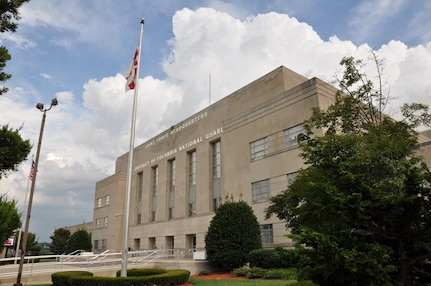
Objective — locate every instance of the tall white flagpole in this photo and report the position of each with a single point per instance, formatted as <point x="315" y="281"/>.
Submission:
<point x="125" y="250"/>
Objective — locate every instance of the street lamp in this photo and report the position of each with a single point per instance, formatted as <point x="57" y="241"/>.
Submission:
<point x="42" y="108"/>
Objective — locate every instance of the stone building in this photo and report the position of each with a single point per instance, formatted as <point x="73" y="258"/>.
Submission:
<point x="243" y="145"/>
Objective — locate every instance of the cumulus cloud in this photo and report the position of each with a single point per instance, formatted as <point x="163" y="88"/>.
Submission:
<point x="83" y="140"/>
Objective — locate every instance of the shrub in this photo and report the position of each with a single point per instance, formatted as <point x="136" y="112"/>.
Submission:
<point x="168" y="277"/>
<point x="287" y="274"/>
<point x="304" y="283"/>
<point x="204" y="272"/>
<point x="273" y="258"/>
<point x="256" y="272"/>
<point x="233" y="232"/>
<point x="62" y="278"/>
<point x="142" y="272"/>
<point x="242" y="272"/>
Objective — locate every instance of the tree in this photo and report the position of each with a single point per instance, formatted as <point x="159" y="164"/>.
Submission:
<point x="32" y="246"/>
<point x="80" y="239"/>
<point x="233" y="232"/>
<point x="13" y="149"/>
<point x="59" y="241"/>
<point x="360" y="210"/>
<point x="10" y="219"/>
<point x="8" y="12"/>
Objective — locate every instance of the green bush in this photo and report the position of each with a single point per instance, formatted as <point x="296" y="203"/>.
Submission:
<point x="256" y="272"/>
<point x="273" y="258"/>
<point x="233" y="232"/>
<point x="286" y="274"/>
<point x="304" y="283"/>
<point x="167" y="277"/>
<point x="204" y="272"/>
<point x="62" y="278"/>
<point x="142" y="272"/>
<point x="242" y="272"/>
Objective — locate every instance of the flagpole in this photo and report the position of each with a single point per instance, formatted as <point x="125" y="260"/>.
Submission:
<point x="125" y="249"/>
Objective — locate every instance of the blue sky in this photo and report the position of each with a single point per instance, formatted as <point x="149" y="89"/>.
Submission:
<point x="77" y="51"/>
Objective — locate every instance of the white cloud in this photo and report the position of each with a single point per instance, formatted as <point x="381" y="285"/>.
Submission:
<point x="45" y="76"/>
<point x="82" y="140"/>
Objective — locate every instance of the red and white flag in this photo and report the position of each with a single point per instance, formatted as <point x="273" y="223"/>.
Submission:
<point x="131" y="71"/>
<point x="31" y="176"/>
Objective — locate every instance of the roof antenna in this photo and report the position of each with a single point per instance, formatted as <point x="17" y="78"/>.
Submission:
<point x="209" y="89"/>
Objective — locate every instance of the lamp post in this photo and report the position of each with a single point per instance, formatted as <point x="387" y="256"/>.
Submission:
<point x="41" y="107"/>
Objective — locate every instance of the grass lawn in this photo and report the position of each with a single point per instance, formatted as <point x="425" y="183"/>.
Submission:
<point x="230" y="282"/>
<point x="239" y="282"/>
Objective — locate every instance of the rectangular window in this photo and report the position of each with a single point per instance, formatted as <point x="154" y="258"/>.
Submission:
<point x="107" y="198"/>
<point x="99" y="202"/>
<point x="155" y="179"/>
<point x="216" y="174"/>
<point x="105" y="222"/>
<point x="172" y="175"/>
<point x="291" y="177"/>
<point x="291" y="134"/>
<point x="258" y="148"/>
<point x="261" y="190"/>
<point x="192" y="183"/>
<point x="139" y="199"/>
<point x="96" y="244"/>
<point x="98" y="223"/>
<point x="104" y="244"/>
<point x="155" y="187"/>
<point x="266" y="234"/>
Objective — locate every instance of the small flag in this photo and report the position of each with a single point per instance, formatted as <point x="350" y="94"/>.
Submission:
<point x="130" y="74"/>
<point x="31" y="172"/>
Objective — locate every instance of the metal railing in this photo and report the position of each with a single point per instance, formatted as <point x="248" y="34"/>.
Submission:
<point x="80" y="260"/>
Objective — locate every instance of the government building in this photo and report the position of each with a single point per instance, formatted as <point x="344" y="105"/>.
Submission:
<point x="242" y="146"/>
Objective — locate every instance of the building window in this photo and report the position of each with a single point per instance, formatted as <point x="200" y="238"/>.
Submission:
<point x="99" y="202"/>
<point x="96" y="244"/>
<point x="216" y="174"/>
<point x="192" y="183"/>
<point x="291" y="177"/>
<point x="139" y="199"/>
<point x="107" y="200"/>
<point x="155" y="186"/>
<point x="261" y="190"/>
<point x="104" y="244"/>
<point x="291" y="134"/>
<point x="172" y="180"/>
<point x="258" y="148"/>
<point x="172" y="175"/>
<point x="105" y="222"/>
<point x="98" y="223"/>
<point x="266" y="234"/>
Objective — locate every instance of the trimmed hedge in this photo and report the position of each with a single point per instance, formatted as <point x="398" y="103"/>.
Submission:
<point x="62" y="278"/>
<point x="138" y="277"/>
<point x="142" y="272"/>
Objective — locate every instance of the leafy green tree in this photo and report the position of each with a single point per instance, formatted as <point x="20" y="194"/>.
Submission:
<point x="59" y="241"/>
<point x="233" y="232"/>
<point x="8" y="13"/>
<point x="10" y="218"/>
<point x="13" y="149"/>
<point x="360" y="211"/>
<point x="80" y="239"/>
<point x="32" y="246"/>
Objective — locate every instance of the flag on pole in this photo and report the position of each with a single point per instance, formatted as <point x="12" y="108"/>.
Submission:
<point x="131" y="71"/>
<point x="31" y="172"/>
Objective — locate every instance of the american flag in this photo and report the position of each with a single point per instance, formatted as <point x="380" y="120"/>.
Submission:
<point x="31" y="171"/>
